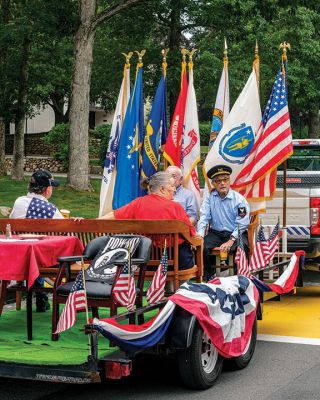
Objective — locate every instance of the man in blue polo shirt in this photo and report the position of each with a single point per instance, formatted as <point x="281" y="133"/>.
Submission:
<point x="223" y="210"/>
<point x="183" y="196"/>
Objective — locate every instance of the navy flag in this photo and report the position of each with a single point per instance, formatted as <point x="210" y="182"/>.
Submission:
<point x="129" y="153"/>
<point x="155" y="131"/>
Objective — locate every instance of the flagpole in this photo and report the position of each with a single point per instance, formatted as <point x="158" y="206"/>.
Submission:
<point x="126" y="67"/>
<point x="284" y="46"/>
<point x="129" y="271"/>
<point x="225" y="66"/>
<point x="256" y="64"/>
<point x="86" y="302"/>
<point x="164" y="71"/>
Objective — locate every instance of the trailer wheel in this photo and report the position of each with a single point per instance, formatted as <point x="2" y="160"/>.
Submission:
<point x="242" y="361"/>
<point x="200" y="364"/>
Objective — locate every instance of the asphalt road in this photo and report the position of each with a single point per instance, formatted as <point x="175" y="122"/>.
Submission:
<point x="277" y="371"/>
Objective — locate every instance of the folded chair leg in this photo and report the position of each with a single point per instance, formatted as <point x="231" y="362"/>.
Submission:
<point x="3" y="291"/>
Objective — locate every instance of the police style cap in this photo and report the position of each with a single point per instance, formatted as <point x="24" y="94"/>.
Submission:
<point x="219" y="170"/>
<point x="43" y="178"/>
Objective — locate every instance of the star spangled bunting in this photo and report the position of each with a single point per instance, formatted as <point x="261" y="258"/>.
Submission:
<point x="40" y="209"/>
<point x="273" y="243"/>
<point x="156" y="290"/>
<point x="261" y="252"/>
<point x="124" y="289"/>
<point x="76" y="301"/>
<point x="241" y="259"/>
<point x="273" y="145"/>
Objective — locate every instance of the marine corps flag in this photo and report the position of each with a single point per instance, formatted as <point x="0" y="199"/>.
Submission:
<point x="191" y="140"/>
<point x="156" y="129"/>
<point x="109" y="170"/>
<point x="237" y="135"/>
<point x="129" y="154"/>
<point x="173" y="147"/>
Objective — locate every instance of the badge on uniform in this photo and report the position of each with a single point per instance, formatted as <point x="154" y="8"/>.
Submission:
<point x="242" y="212"/>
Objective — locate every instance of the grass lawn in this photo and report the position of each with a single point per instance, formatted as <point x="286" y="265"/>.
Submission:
<point x="81" y="204"/>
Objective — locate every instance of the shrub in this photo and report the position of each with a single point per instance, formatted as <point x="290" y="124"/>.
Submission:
<point x="102" y="132"/>
<point x="59" y="137"/>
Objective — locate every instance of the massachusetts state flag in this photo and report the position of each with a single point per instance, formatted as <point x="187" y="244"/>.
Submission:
<point x="155" y="292"/>
<point x="109" y="170"/>
<point x="76" y="301"/>
<point x="173" y="146"/>
<point x="127" y="186"/>
<point x="225" y="309"/>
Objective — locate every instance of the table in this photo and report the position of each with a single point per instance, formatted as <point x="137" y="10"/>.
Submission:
<point x="22" y="258"/>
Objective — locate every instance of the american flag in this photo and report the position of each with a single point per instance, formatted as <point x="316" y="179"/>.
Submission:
<point x="261" y="253"/>
<point x="156" y="290"/>
<point x="273" y="145"/>
<point x="273" y="242"/>
<point x="241" y="259"/>
<point x="76" y="301"/>
<point x="124" y="289"/>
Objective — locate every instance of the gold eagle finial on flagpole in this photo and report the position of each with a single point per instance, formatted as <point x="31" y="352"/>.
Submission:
<point x="140" y="55"/>
<point x="284" y="46"/>
<point x="128" y="56"/>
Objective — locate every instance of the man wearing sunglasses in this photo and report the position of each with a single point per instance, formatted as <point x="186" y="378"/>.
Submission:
<point x="224" y="210"/>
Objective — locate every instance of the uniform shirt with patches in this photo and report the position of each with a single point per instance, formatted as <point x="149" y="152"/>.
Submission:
<point x="224" y="214"/>
<point x="34" y="206"/>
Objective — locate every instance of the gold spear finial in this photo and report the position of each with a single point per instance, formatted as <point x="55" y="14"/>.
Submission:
<point x="256" y="49"/>
<point x="164" y="60"/>
<point x="140" y="55"/>
<point x="128" y="56"/>
<point x="191" y="53"/>
<point x="225" y="49"/>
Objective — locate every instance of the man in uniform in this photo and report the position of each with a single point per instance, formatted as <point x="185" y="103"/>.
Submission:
<point x="224" y="210"/>
<point x="183" y="196"/>
<point x="36" y="205"/>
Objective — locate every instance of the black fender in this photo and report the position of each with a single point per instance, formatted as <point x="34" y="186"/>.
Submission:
<point x="181" y="329"/>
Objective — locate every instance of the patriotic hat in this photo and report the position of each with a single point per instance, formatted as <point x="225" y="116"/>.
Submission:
<point x="43" y="178"/>
<point x="219" y="170"/>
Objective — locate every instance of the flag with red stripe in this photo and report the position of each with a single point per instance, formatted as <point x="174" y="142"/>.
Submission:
<point x="273" y="145"/>
<point x="156" y="290"/>
<point x="124" y="289"/>
<point x="76" y="301"/>
<point x="241" y="259"/>
<point x="261" y="253"/>
<point x="273" y="243"/>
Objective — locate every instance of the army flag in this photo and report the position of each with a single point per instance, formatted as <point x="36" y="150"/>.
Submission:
<point x="237" y="135"/>
<point x="191" y="141"/>
<point x="129" y="154"/>
<point x="155" y="130"/>
<point x="173" y="147"/>
<point x="109" y="170"/>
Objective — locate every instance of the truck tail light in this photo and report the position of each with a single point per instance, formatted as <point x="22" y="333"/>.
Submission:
<point x="315" y="216"/>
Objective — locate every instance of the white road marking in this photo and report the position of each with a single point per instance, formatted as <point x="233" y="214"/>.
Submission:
<point x="289" y="339"/>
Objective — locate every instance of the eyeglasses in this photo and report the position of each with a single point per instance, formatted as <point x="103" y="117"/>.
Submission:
<point x="222" y="180"/>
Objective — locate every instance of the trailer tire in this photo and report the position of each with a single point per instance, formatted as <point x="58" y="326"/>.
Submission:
<point x="200" y="364"/>
<point x="237" y="363"/>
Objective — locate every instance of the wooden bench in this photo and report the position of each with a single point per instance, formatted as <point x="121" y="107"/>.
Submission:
<point x="88" y="229"/>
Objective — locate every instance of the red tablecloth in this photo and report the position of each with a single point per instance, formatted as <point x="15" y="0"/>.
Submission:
<point x="21" y="260"/>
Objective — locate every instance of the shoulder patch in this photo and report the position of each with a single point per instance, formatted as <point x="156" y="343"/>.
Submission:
<point x="242" y="212"/>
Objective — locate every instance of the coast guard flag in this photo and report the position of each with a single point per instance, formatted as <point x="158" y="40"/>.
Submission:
<point x="127" y="186"/>
<point x="76" y="301"/>
<point x="236" y="138"/>
<point x="273" y="145"/>
<point x="286" y="281"/>
<point x="155" y="131"/>
<point x="109" y="170"/>
<point x="191" y="141"/>
<point x="173" y="148"/>
<point x="225" y="309"/>
<point x="155" y="292"/>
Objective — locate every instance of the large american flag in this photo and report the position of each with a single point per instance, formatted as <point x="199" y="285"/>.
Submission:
<point x="273" y="145"/>
<point x="155" y="292"/>
<point x="261" y="252"/>
<point x="273" y="243"/>
<point x="241" y="259"/>
<point x="76" y="301"/>
<point x="124" y="289"/>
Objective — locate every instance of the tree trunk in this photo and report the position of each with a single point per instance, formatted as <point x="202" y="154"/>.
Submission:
<point x="3" y="169"/>
<point x="18" y="143"/>
<point x="78" y="174"/>
<point x="313" y="124"/>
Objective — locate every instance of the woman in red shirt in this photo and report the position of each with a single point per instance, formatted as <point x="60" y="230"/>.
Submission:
<point x="158" y="204"/>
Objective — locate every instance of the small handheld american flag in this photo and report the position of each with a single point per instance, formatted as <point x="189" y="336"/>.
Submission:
<point x="156" y="290"/>
<point x="124" y="289"/>
<point x="241" y="259"/>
